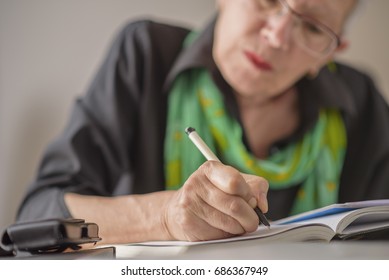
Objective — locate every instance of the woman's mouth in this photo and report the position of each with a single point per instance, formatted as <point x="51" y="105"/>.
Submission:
<point x="258" y="62"/>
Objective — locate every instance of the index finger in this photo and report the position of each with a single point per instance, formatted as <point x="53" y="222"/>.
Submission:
<point x="229" y="180"/>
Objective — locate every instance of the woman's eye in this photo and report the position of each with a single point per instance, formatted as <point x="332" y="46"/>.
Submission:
<point x="312" y="28"/>
<point x="267" y="3"/>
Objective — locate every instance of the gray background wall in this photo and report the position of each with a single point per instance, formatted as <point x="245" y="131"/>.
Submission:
<point x="49" y="51"/>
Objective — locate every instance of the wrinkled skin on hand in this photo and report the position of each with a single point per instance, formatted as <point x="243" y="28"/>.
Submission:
<point x="215" y="202"/>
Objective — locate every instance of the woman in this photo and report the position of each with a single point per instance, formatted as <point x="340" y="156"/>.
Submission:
<point x="294" y="134"/>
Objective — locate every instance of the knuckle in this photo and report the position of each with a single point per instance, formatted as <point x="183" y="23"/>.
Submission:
<point x="261" y="183"/>
<point x="191" y="185"/>
<point x="264" y="183"/>
<point x="234" y="207"/>
<point x="207" y="166"/>
<point x="233" y="172"/>
<point x="234" y="180"/>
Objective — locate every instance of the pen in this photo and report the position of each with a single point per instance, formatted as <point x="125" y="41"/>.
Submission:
<point x="209" y="155"/>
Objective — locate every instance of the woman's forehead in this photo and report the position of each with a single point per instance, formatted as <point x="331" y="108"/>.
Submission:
<point x="328" y="10"/>
<point x="327" y="5"/>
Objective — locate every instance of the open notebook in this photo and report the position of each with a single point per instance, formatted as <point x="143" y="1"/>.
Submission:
<point x="339" y="221"/>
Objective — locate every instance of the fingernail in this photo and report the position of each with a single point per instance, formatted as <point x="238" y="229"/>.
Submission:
<point x="253" y="202"/>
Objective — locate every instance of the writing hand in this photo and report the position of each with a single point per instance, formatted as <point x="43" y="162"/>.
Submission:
<point x="215" y="202"/>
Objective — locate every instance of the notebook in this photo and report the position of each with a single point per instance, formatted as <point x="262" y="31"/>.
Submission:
<point x="354" y="220"/>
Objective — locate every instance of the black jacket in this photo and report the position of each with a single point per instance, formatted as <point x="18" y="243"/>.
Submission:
<point x="113" y="142"/>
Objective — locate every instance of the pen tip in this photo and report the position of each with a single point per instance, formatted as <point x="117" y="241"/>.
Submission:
<point x="189" y="130"/>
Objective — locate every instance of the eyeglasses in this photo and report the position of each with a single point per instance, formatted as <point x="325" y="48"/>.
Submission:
<point x="313" y="36"/>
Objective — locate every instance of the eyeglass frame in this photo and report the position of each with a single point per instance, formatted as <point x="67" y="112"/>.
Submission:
<point x="332" y="33"/>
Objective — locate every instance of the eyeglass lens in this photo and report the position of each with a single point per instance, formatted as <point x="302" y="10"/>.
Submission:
<point x="309" y="33"/>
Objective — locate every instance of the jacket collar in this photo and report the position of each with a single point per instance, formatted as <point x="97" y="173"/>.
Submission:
<point x="197" y="55"/>
<point x="328" y="90"/>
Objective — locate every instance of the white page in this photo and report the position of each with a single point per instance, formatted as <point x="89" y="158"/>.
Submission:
<point x="261" y="231"/>
<point x="290" y="232"/>
<point x="327" y="210"/>
<point x="338" y="222"/>
<point x="330" y="220"/>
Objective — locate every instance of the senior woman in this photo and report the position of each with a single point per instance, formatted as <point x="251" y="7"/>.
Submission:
<point x="294" y="130"/>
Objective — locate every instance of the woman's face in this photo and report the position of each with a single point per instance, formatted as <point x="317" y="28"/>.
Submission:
<point x="261" y="56"/>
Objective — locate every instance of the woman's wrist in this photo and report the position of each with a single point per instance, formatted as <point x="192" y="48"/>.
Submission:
<point x="124" y="219"/>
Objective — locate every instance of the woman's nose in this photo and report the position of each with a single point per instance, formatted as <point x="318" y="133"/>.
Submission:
<point x="278" y="30"/>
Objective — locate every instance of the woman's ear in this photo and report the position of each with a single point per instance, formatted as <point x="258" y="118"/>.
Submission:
<point x="344" y="44"/>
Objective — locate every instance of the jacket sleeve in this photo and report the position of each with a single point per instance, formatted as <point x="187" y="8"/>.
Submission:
<point x="93" y="154"/>
<point x="366" y="168"/>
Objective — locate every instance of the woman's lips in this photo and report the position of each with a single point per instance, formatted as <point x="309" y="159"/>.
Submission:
<point x="258" y="62"/>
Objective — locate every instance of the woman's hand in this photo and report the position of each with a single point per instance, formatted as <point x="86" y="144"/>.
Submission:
<point x="215" y="202"/>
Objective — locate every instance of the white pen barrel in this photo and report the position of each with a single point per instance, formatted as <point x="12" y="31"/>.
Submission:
<point x="200" y="144"/>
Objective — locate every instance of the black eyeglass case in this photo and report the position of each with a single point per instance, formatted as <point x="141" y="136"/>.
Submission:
<point x="47" y="236"/>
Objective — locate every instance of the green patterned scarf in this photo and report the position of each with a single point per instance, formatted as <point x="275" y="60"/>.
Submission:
<point x="315" y="161"/>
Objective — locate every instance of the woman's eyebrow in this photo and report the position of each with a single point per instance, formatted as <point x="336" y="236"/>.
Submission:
<point x="324" y="14"/>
